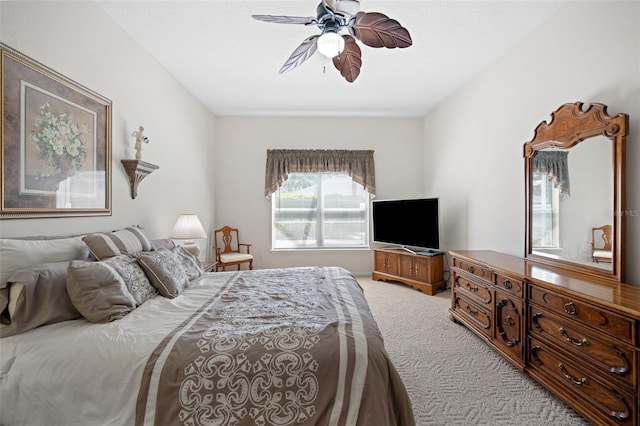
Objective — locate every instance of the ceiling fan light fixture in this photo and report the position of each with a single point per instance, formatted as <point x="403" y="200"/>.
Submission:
<point x="373" y="29"/>
<point x="330" y="44"/>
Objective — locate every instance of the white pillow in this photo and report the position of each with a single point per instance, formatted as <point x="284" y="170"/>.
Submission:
<point x="19" y="254"/>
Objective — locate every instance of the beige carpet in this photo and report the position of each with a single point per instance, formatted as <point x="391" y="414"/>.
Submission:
<point x="453" y="377"/>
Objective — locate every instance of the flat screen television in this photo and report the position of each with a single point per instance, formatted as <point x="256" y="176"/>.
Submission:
<point x="411" y="224"/>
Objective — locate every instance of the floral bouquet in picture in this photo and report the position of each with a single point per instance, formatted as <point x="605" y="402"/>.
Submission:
<point x="60" y="142"/>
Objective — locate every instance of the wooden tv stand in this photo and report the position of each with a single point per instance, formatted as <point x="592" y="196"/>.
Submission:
<point x="425" y="273"/>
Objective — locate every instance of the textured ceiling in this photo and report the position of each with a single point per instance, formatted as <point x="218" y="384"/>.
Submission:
<point x="230" y="61"/>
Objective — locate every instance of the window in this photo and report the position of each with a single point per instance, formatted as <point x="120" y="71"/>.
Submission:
<point x="320" y="198"/>
<point x="546" y="209"/>
<point x="320" y="210"/>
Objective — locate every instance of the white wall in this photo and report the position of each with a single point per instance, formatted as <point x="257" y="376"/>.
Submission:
<point x="588" y="52"/>
<point x="242" y="143"/>
<point x="80" y="41"/>
<point x="469" y="152"/>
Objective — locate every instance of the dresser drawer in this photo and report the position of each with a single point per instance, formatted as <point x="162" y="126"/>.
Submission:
<point x="473" y="315"/>
<point x="474" y="289"/>
<point x="587" y="314"/>
<point x="510" y="285"/>
<point x="610" y="403"/>
<point x="605" y="355"/>
<point x="474" y="269"/>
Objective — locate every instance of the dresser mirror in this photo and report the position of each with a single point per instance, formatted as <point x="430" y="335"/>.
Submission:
<point x="574" y="172"/>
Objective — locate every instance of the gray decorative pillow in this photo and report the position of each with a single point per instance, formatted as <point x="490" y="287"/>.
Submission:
<point x="131" y="240"/>
<point x="134" y="278"/>
<point x="165" y="271"/>
<point x="35" y="296"/>
<point x="190" y="263"/>
<point x="166" y="243"/>
<point x="98" y="292"/>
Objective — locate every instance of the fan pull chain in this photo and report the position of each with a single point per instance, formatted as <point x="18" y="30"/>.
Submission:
<point x="324" y="67"/>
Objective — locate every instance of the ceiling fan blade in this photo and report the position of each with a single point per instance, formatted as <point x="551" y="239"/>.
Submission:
<point x="345" y="7"/>
<point x="303" y="52"/>
<point x="378" y="30"/>
<point x="304" y="20"/>
<point x="350" y="60"/>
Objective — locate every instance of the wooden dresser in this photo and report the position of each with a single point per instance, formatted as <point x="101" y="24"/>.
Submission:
<point x="576" y="335"/>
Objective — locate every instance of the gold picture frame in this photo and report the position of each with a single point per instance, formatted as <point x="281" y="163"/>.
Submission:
<point x="55" y="138"/>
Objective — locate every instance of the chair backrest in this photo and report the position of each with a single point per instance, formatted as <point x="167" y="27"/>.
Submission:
<point x="605" y="231"/>
<point x="228" y="238"/>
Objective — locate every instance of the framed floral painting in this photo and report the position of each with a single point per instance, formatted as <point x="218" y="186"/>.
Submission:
<point x="56" y="143"/>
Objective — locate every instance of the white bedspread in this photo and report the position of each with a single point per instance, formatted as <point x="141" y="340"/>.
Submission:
<point x="116" y="378"/>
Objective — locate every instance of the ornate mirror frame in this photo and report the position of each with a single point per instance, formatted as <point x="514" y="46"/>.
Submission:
<point x="571" y="124"/>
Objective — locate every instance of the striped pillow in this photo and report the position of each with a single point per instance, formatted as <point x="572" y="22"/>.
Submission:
<point x="131" y="240"/>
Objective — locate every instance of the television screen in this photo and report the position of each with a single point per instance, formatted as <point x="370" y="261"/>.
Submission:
<point x="412" y="222"/>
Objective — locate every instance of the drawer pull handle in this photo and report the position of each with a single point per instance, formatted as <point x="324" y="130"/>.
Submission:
<point x="623" y="369"/>
<point x="582" y="381"/>
<point x="507" y="284"/>
<point x="620" y="415"/>
<point x="534" y="320"/>
<point x="570" y="308"/>
<point x="534" y="354"/>
<point x="474" y="289"/>
<point x="471" y="269"/>
<point x="471" y="311"/>
<point x="563" y="332"/>
<point x="508" y="321"/>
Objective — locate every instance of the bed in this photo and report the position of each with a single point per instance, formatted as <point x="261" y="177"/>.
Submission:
<point x="291" y="346"/>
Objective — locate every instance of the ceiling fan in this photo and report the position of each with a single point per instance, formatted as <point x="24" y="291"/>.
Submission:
<point x="373" y="29"/>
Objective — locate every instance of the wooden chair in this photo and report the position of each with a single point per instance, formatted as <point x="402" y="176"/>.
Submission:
<point x="227" y="248"/>
<point x="604" y="253"/>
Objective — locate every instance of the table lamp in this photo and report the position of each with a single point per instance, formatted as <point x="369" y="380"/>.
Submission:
<point x="188" y="228"/>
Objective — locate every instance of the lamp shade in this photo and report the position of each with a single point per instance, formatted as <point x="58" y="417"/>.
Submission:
<point x="330" y="44"/>
<point x="188" y="227"/>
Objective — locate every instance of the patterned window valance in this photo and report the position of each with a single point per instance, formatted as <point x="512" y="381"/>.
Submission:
<point x="358" y="164"/>
<point x="556" y="165"/>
